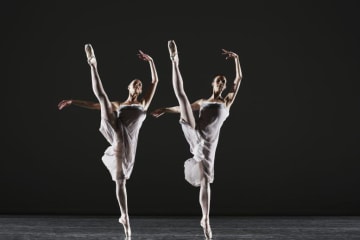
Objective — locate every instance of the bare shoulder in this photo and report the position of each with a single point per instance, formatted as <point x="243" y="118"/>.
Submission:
<point x="116" y="104"/>
<point x="144" y="103"/>
<point x="199" y="101"/>
<point x="228" y="102"/>
<point x="196" y="105"/>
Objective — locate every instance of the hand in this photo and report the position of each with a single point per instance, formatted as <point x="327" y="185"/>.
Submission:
<point x="158" y="112"/>
<point x="229" y="54"/>
<point x="144" y="56"/>
<point x="64" y="103"/>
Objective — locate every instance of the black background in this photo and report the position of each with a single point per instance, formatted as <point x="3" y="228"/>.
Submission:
<point x="289" y="147"/>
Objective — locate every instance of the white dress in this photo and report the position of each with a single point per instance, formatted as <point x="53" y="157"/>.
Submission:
<point x="203" y="141"/>
<point x="119" y="158"/>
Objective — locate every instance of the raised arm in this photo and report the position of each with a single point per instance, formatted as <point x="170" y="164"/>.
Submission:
<point x="84" y="104"/>
<point x="148" y="96"/>
<point x="230" y="97"/>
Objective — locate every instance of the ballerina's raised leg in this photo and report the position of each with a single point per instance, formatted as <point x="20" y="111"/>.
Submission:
<point x="187" y="115"/>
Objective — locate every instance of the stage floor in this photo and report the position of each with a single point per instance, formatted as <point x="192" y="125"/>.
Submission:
<point x="56" y="227"/>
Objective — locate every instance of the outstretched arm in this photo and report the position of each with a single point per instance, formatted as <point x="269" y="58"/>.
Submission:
<point x="154" y="80"/>
<point x="80" y="103"/>
<point x="230" y="97"/>
<point x="84" y="104"/>
<point x="175" y="109"/>
<point x="160" y="111"/>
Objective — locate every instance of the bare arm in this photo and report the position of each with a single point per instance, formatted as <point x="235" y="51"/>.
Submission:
<point x="160" y="111"/>
<point x="175" y="109"/>
<point x="80" y="103"/>
<point x="84" y="104"/>
<point x="148" y="96"/>
<point x="230" y="97"/>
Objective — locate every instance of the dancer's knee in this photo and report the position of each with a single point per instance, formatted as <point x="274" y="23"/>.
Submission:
<point x="120" y="183"/>
<point x="181" y="96"/>
<point x="204" y="182"/>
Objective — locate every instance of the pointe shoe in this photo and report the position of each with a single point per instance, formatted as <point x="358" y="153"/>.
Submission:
<point x="126" y="226"/>
<point x="89" y="53"/>
<point x="173" y="50"/>
<point x="207" y="229"/>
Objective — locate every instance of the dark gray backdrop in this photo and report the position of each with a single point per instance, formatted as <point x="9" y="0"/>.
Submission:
<point x="289" y="147"/>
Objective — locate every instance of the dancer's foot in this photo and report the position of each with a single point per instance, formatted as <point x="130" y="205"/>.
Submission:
<point x="206" y="227"/>
<point x="126" y="224"/>
<point x="90" y="55"/>
<point x="173" y="51"/>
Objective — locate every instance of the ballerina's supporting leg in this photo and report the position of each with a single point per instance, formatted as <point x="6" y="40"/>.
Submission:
<point x="204" y="198"/>
<point x="122" y="200"/>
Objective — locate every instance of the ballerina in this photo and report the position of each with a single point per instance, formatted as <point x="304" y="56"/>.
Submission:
<point x="120" y="125"/>
<point x="202" y="133"/>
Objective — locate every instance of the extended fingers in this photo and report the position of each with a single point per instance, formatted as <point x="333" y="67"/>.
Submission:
<point x="61" y="106"/>
<point x="140" y="54"/>
<point x="226" y="52"/>
<point x="61" y="103"/>
<point x="157" y="113"/>
<point x="229" y="54"/>
<point x="143" y="55"/>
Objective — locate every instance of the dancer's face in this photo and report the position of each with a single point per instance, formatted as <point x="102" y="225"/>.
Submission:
<point x="135" y="87"/>
<point x="219" y="83"/>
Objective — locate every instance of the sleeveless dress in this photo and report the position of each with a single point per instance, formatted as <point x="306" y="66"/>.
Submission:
<point x="203" y="141"/>
<point x="119" y="158"/>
